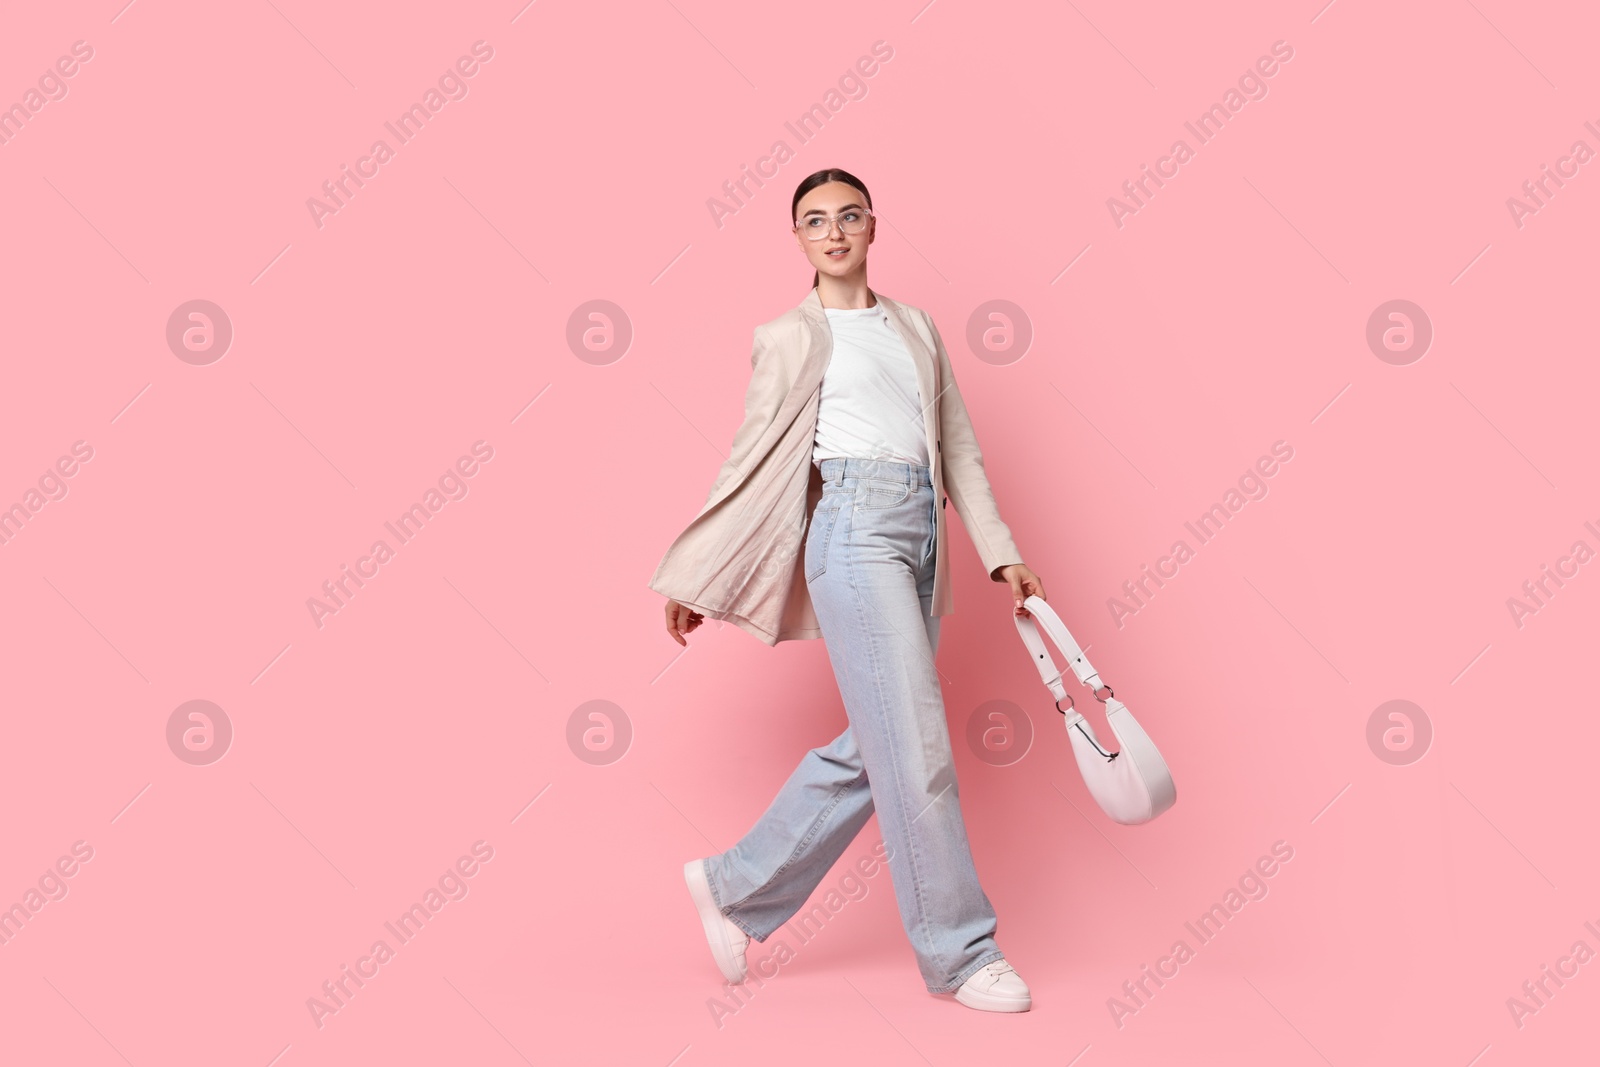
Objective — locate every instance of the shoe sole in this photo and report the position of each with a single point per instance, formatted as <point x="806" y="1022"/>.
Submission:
<point x="711" y="920"/>
<point x="984" y="1002"/>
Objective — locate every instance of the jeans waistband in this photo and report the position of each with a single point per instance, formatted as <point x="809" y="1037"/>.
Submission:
<point x="836" y="469"/>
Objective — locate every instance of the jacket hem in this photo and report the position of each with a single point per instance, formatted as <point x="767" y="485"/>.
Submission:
<point x="743" y="622"/>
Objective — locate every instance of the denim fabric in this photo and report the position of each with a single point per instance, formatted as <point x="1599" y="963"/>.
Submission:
<point x="869" y="564"/>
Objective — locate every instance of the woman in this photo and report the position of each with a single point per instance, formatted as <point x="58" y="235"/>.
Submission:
<point x="850" y="403"/>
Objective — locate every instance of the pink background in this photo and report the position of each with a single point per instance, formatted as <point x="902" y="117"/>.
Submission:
<point x="433" y="710"/>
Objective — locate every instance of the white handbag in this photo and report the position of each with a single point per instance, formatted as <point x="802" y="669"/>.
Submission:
<point x="1133" y="784"/>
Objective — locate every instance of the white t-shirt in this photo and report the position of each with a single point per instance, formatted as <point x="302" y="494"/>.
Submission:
<point x="871" y="406"/>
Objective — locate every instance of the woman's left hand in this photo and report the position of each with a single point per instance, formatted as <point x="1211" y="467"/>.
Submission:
<point x="1024" y="583"/>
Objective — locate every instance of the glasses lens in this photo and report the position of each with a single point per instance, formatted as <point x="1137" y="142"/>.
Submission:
<point x="816" y="227"/>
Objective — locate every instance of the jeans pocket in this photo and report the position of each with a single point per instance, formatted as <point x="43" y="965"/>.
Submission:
<point x="818" y="537"/>
<point x="873" y="494"/>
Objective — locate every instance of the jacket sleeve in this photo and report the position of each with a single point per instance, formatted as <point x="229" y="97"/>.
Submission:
<point x="964" y="478"/>
<point x="762" y="398"/>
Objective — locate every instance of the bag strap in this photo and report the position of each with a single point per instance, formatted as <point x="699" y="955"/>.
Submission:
<point x="1063" y="640"/>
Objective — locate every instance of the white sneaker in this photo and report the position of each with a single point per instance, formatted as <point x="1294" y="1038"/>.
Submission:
<point x="727" y="941"/>
<point x="995" y="987"/>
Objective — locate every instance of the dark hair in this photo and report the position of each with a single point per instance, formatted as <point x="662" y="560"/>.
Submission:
<point x="823" y="177"/>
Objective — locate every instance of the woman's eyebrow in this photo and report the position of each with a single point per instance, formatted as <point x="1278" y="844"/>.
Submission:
<point x="819" y="211"/>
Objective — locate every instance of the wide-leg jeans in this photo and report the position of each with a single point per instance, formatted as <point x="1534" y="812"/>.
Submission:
<point x="869" y="564"/>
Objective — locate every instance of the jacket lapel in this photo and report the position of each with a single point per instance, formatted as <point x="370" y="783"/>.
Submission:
<point x="927" y="370"/>
<point x="816" y="343"/>
<point x="817" y="351"/>
<point x="820" y="349"/>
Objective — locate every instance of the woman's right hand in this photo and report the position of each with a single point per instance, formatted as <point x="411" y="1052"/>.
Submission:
<point x="681" y="620"/>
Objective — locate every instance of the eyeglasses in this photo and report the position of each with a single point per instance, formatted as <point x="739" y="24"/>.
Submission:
<point x="851" y="221"/>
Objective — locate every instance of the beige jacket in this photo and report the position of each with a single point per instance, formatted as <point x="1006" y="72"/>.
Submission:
<point x="742" y="559"/>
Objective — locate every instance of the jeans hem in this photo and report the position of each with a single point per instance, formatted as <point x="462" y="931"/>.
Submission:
<point x="716" y="898"/>
<point x="799" y="852"/>
<point x="968" y="971"/>
<point x="735" y="920"/>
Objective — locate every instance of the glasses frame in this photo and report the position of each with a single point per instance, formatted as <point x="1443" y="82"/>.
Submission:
<point x="833" y="220"/>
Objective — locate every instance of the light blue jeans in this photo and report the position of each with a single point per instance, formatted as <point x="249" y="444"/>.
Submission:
<point x="869" y="557"/>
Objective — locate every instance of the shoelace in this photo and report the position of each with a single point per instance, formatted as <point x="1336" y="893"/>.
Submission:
<point x="986" y="976"/>
<point x="998" y="968"/>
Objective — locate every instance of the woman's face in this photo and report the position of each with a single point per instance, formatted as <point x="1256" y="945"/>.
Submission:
<point x="827" y="201"/>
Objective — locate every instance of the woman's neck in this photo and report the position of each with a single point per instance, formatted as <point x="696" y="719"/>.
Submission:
<point x="846" y="294"/>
